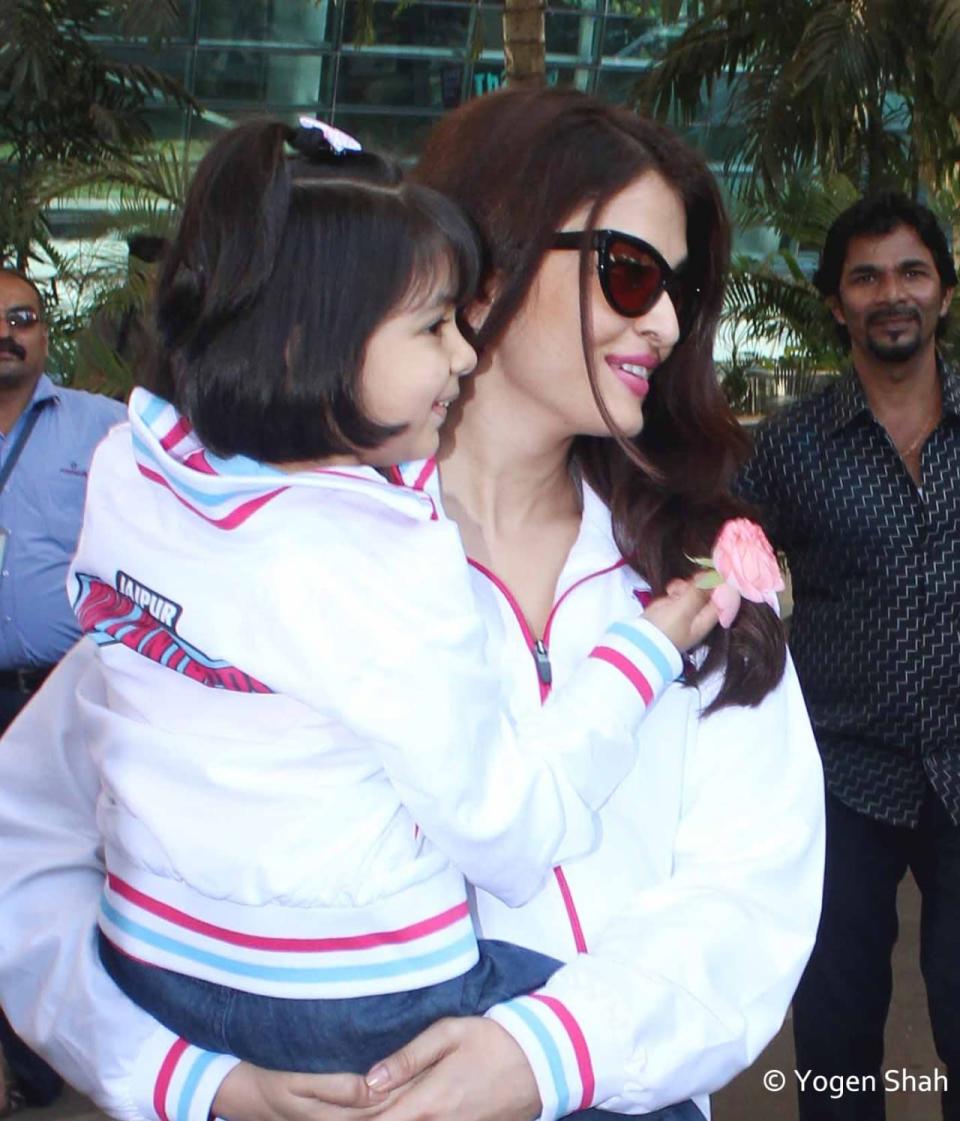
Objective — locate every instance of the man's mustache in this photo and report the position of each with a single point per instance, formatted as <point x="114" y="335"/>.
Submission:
<point x="894" y="311"/>
<point x="9" y="346"/>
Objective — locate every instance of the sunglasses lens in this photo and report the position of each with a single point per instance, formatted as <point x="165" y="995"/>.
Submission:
<point x="22" y="318"/>
<point x="634" y="278"/>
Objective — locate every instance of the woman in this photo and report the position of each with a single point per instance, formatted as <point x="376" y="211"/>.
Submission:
<point x="593" y="445"/>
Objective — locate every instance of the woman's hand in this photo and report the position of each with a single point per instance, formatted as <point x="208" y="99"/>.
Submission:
<point x="457" y="1070"/>
<point x="250" y="1093"/>
<point x="467" y="1069"/>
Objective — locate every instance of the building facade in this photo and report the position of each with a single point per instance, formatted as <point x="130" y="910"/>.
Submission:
<point x="388" y="81"/>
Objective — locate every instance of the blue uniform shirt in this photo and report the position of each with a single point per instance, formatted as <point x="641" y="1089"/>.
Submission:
<point x="41" y="508"/>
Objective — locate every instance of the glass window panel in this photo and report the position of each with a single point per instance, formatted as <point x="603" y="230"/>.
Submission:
<point x="285" y="22"/>
<point x="618" y="86"/>
<point x="640" y="37"/>
<point x="367" y="79"/>
<point x="567" y="32"/>
<point x="419" y="24"/>
<point x="491" y="28"/>
<point x="398" y="135"/>
<point x="570" y="33"/>
<point x="171" y="61"/>
<point x="258" y="77"/>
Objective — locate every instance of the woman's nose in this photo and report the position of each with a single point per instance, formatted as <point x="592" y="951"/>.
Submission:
<point x="660" y="322"/>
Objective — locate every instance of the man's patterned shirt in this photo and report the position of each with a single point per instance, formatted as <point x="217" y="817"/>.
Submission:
<point x="875" y="562"/>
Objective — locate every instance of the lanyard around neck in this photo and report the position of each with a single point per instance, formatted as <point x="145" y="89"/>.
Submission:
<point x="28" y="425"/>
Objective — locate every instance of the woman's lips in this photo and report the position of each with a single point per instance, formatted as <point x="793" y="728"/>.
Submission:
<point x="634" y="372"/>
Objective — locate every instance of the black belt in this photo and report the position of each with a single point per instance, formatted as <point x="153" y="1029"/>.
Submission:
<point x="24" y="680"/>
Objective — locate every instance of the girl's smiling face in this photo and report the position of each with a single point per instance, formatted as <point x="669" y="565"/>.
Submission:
<point x="411" y="370"/>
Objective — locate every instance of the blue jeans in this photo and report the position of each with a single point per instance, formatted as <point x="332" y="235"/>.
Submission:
<point x="332" y="1035"/>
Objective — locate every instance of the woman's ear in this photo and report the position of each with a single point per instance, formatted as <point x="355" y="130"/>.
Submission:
<point x="476" y="312"/>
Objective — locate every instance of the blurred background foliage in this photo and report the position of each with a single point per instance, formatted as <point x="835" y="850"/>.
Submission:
<point x="73" y="121"/>
<point x="831" y="99"/>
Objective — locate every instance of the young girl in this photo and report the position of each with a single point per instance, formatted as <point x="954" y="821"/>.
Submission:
<point x="302" y="749"/>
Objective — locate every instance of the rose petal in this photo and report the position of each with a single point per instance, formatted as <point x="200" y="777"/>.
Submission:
<point x="743" y="555"/>
<point x="726" y="599"/>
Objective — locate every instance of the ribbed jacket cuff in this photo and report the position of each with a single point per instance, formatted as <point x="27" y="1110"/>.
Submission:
<point x="555" y="1048"/>
<point x="175" y="1081"/>
<point x="642" y="654"/>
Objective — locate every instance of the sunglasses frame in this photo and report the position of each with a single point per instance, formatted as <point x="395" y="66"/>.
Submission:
<point x="671" y="280"/>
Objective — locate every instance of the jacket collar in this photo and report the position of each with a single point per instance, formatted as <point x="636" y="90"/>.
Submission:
<point x="168" y="451"/>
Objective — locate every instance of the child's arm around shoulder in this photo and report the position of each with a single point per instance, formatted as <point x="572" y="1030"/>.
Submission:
<point x="391" y="641"/>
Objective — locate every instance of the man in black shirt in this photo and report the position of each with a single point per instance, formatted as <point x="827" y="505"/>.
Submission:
<point x="860" y="487"/>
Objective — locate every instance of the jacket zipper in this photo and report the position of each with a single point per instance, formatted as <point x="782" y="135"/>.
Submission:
<point x="537" y="648"/>
<point x="541" y="657"/>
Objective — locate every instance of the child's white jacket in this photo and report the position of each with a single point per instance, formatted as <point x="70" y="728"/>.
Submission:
<point x="304" y="748"/>
<point x="686" y="929"/>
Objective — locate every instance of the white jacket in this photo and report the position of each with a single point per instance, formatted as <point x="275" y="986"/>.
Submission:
<point x="697" y="910"/>
<point x="302" y="730"/>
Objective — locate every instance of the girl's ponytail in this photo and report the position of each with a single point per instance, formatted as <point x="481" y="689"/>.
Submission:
<point x="232" y="223"/>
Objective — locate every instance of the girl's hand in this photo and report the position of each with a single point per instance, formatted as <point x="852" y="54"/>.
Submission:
<point x="466" y="1069"/>
<point x="685" y="614"/>
<point x="251" y="1093"/>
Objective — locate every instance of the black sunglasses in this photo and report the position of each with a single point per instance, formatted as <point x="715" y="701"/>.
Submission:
<point x="633" y="274"/>
<point x="20" y="318"/>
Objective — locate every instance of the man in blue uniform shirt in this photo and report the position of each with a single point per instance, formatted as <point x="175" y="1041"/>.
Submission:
<point x="47" y="436"/>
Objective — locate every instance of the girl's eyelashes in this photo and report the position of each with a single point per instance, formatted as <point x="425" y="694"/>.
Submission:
<point x="436" y="326"/>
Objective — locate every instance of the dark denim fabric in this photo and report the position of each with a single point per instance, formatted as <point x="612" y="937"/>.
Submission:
<point x="38" y="1083"/>
<point x="321" y="1035"/>
<point x="334" y="1035"/>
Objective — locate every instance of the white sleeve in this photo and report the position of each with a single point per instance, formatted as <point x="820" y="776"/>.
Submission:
<point x="504" y="801"/>
<point x="53" y="988"/>
<point x="689" y="983"/>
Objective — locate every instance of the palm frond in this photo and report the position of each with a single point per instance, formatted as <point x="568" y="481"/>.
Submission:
<point x="774" y="306"/>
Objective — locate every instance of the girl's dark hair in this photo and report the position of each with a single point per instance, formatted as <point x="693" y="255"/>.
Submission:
<point x="519" y="162"/>
<point x="281" y="270"/>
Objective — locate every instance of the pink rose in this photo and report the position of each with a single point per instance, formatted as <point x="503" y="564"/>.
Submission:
<point x="743" y="557"/>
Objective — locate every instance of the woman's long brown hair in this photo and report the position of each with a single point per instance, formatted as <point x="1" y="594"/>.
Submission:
<point x="520" y="162"/>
